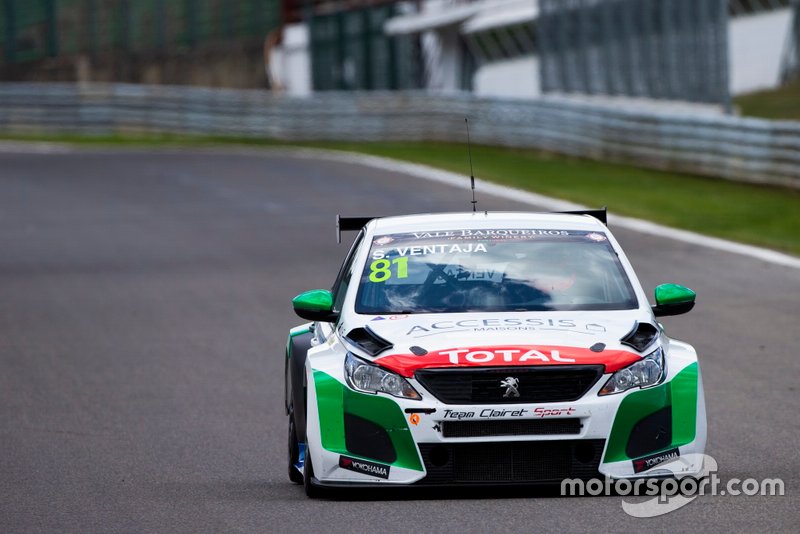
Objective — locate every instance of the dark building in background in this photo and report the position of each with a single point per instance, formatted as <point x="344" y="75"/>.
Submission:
<point x="791" y="61"/>
<point x="201" y="42"/>
<point x="349" y="48"/>
<point x="666" y="49"/>
<point x="662" y="49"/>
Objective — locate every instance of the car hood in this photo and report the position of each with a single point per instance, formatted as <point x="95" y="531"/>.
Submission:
<point x="504" y="339"/>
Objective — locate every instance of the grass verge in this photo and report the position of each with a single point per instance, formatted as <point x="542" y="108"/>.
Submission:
<point x="760" y="215"/>
<point x="782" y="103"/>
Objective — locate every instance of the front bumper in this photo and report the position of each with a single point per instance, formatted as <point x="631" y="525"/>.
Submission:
<point x="361" y="439"/>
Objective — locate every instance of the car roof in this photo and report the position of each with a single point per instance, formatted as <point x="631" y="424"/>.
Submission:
<point x="484" y="220"/>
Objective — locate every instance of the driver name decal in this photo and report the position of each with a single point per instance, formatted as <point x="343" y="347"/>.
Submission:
<point x="430" y="249"/>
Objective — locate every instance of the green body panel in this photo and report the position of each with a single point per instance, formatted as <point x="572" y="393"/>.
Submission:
<point x="334" y="399"/>
<point x="680" y="393"/>
<point x="684" y="406"/>
<point x="330" y="407"/>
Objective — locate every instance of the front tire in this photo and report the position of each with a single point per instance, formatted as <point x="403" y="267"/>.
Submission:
<point x="294" y="453"/>
<point x="313" y="491"/>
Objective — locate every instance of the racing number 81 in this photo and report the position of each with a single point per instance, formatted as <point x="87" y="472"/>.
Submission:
<point x="381" y="270"/>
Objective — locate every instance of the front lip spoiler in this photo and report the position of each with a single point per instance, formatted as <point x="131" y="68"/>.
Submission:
<point x="420" y="484"/>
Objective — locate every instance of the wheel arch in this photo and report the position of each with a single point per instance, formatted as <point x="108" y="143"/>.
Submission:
<point x="297" y="347"/>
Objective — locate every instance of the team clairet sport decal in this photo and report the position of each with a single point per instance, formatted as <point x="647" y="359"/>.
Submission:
<point x="541" y="413"/>
<point x="407" y="364"/>
<point x="643" y="464"/>
<point x="363" y="466"/>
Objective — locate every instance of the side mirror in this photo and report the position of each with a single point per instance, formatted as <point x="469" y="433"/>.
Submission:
<point x="672" y="299"/>
<point x="315" y="305"/>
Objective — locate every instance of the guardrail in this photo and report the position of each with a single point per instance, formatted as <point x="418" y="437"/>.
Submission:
<point x="736" y="148"/>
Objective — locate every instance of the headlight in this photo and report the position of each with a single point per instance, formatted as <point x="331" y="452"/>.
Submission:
<point x="646" y="372"/>
<point x="363" y="376"/>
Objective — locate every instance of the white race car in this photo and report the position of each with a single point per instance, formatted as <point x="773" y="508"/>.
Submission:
<point x="489" y="348"/>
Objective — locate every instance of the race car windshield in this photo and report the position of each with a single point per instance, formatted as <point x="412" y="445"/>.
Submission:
<point x="492" y="270"/>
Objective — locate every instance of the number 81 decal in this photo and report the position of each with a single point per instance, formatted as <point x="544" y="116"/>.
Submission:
<point x="381" y="270"/>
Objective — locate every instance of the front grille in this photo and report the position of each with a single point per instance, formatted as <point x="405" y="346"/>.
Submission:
<point x="511" y="462"/>
<point x="498" y="427"/>
<point x="556" y="383"/>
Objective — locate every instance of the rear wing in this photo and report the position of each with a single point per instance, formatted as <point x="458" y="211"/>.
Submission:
<point x="601" y="214"/>
<point x="350" y="224"/>
<point x="354" y="224"/>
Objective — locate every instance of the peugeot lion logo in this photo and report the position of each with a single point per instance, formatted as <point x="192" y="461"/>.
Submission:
<point x="511" y="384"/>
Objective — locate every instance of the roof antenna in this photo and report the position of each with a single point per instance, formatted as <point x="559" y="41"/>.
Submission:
<point x="471" y="173"/>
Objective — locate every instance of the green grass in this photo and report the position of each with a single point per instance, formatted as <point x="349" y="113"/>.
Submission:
<point x="779" y="104"/>
<point x="760" y="215"/>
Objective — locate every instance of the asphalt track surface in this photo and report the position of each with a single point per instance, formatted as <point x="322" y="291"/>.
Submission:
<point x="144" y="304"/>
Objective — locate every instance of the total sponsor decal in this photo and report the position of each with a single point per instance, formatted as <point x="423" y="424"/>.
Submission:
<point x="518" y="355"/>
<point x="363" y="466"/>
<point x="521" y="412"/>
<point x="505" y="324"/>
<point x="647" y="462"/>
<point x="511" y="355"/>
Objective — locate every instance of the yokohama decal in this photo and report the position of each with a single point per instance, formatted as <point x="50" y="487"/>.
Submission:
<point x="407" y="364"/>
<point x="363" y="466"/>
<point x="643" y="464"/>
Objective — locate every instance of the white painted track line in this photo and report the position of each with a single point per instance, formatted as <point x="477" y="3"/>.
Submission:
<point x="456" y="180"/>
<point x="638" y="225"/>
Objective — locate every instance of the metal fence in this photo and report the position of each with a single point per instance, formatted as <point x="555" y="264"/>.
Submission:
<point x="745" y="149"/>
